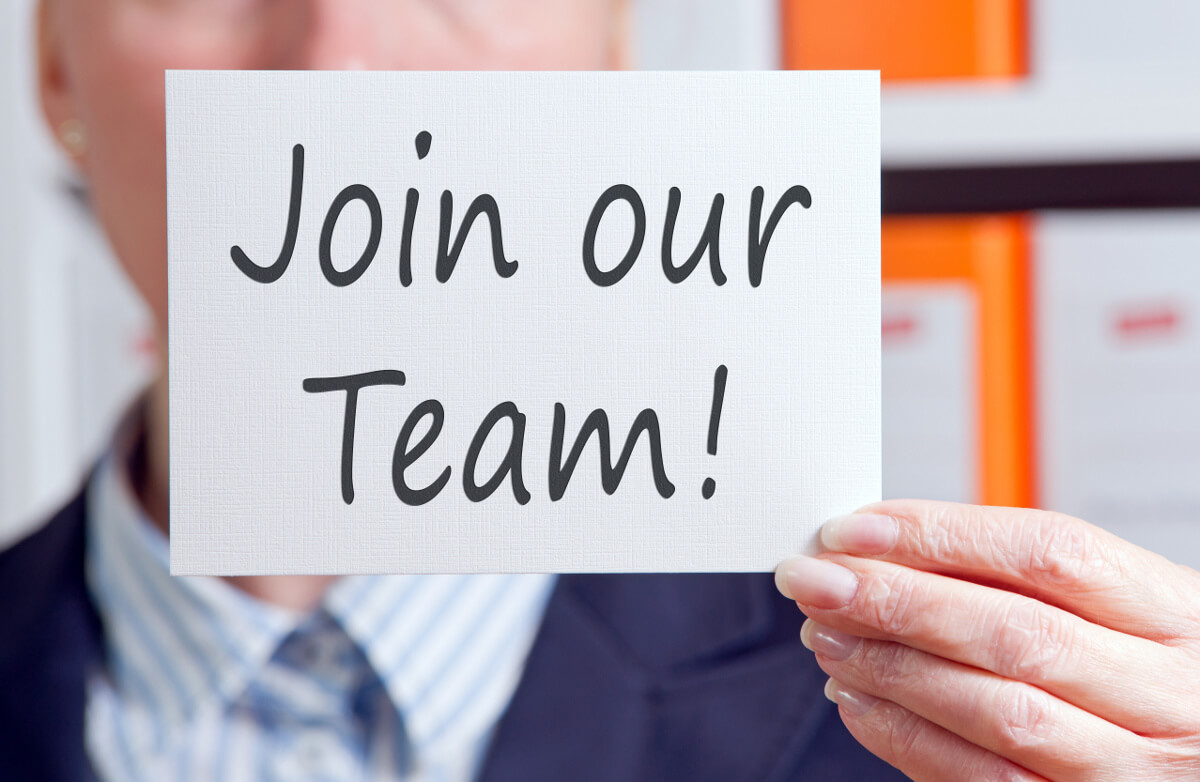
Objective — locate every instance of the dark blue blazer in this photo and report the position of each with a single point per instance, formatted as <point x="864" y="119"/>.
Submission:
<point x="632" y="677"/>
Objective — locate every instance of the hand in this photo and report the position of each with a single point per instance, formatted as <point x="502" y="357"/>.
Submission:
<point x="980" y="643"/>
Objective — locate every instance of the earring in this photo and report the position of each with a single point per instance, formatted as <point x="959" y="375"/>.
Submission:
<point x="73" y="134"/>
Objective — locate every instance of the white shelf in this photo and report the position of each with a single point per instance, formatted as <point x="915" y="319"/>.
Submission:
<point x="973" y="125"/>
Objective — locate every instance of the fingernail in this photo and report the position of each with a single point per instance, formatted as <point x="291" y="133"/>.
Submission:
<point x="834" y="644"/>
<point x="861" y="533"/>
<point x="854" y="702"/>
<point x="816" y="582"/>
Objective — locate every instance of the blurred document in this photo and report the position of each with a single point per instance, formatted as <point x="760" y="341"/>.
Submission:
<point x="930" y="391"/>
<point x="1119" y="369"/>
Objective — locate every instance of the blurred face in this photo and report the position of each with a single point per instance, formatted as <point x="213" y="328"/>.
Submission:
<point x="102" y="64"/>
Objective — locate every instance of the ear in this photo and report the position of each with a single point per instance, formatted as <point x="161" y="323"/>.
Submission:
<point x="621" y="36"/>
<point x="54" y="85"/>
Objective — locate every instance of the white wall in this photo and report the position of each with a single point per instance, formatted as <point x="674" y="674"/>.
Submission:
<point x="70" y="324"/>
<point x="12" y="343"/>
<point x="706" y="34"/>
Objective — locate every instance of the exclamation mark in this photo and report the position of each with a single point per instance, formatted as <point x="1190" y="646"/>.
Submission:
<point x="714" y="424"/>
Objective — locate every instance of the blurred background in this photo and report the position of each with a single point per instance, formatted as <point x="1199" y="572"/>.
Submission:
<point x="1041" y="252"/>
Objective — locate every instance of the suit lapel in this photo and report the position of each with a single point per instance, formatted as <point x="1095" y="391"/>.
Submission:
<point x="50" y="637"/>
<point x="664" y="677"/>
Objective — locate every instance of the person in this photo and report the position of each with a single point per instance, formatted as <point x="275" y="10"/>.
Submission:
<point x="959" y="642"/>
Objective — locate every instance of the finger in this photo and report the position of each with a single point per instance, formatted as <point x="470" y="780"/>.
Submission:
<point x="923" y="751"/>
<point x="1115" y="676"/>
<point x="1058" y="559"/>
<point x="1011" y="719"/>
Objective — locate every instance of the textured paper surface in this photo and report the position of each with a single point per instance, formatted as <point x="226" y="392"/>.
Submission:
<point x="255" y="459"/>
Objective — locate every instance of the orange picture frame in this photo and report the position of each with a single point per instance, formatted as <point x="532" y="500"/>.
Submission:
<point x="909" y="40"/>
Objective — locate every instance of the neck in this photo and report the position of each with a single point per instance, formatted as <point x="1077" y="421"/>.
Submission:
<point x="149" y="471"/>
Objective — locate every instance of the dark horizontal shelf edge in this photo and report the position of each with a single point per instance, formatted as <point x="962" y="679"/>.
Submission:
<point x="1029" y="187"/>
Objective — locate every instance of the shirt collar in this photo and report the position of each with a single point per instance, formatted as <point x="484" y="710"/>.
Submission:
<point x="179" y="644"/>
<point x="449" y="649"/>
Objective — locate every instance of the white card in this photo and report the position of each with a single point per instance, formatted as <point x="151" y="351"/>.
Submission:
<point x="506" y="351"/>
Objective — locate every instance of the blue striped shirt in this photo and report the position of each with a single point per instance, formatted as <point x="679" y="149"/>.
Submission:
<point x="393" y="677"/>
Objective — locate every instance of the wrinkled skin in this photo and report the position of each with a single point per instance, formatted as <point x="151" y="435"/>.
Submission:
<point x="970" y="643"/>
